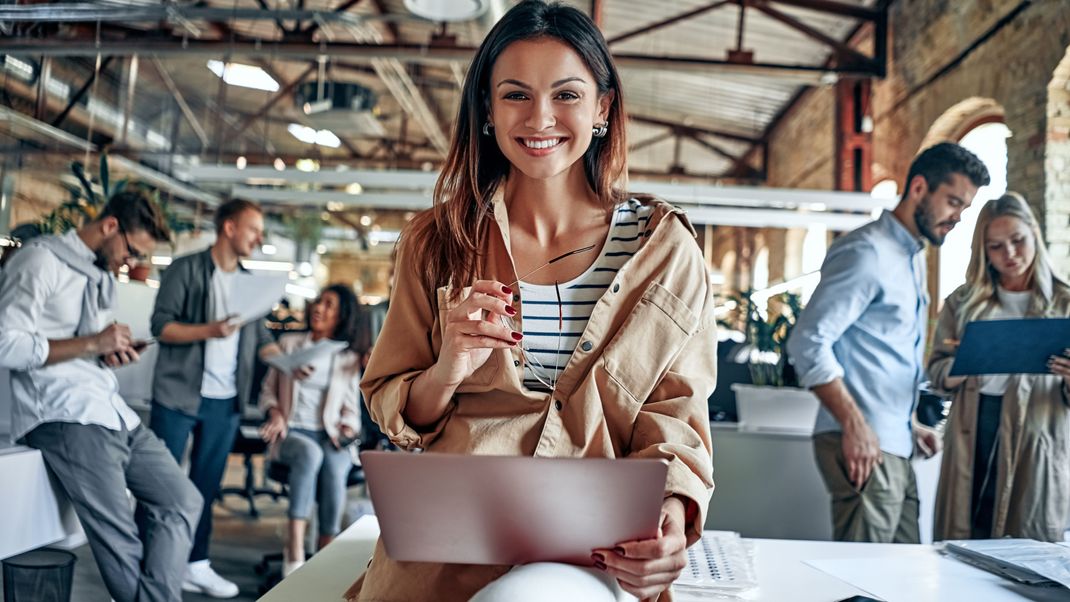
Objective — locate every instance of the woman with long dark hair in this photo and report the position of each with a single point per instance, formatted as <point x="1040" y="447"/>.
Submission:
<point x="313" y="416"/>
<point x="539" y="310"/>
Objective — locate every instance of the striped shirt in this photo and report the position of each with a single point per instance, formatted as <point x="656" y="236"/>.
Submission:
<point x="555" y="316"/>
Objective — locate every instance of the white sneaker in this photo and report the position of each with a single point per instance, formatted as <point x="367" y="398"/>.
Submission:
<point x="289" y="566"/>
<point x="201" y="579"/>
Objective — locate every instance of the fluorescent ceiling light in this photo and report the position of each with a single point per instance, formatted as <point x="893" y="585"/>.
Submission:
<point x="246" y="76"/>
<point x="447" y="10"/>
<point x="18" y="67"/>
<point x="161" y="260"/>
<point x="310" y="136"/>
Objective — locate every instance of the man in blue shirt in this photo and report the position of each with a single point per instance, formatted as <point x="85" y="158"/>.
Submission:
<point x="859" y="346"/>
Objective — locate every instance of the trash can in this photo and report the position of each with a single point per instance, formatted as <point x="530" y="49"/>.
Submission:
<point x="39" y="576"/>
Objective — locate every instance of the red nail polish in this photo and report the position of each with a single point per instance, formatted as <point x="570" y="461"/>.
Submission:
<point x="507" y="290"/>
<point x="509" y="310"/>
<point x="600" y="566"/>
<point x="619" y="550"/>
<point x="517" y="336"/>
<point x="598" y="558"/>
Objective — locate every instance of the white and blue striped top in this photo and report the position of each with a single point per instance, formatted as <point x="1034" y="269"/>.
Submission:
<point x="553" y="326"/>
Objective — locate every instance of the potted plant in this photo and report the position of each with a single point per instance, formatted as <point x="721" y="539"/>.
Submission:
<point x="85" y="203"/>
<point x="773" y="400"/>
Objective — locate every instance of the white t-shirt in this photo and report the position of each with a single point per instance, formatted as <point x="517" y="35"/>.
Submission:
<point x="221" y="355"/>
<point x="311" y="393"/>
<point x="1012" y="305"/>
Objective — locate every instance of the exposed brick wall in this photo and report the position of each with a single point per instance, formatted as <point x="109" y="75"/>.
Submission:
<point x="801" y="153"/>
<point x="1013" y="68"/>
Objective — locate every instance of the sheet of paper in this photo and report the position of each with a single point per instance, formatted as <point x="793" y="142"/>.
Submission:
<point x="929" y="578"/>
<point x="287" y="363"/>
<point x="1011" y="346"/>
<point x="253" y="295"/>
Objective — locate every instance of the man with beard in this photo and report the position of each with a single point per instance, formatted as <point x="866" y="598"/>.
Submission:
<point x="859" y="346"/>
<point x="53" y="297"/>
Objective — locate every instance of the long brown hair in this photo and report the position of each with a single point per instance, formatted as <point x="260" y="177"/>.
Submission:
<point x="447" y="240"/>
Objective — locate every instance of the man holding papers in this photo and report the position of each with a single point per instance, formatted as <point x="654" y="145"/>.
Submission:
<point x="1005" y="471"/>
<point x="208" y="348"/>
<point x="859" y="346"/>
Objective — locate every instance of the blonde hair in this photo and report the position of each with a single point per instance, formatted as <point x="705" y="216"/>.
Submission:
<point x="982" y="279"/>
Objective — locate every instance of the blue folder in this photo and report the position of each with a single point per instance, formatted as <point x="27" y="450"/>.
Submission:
<point x="1011" y="346"/>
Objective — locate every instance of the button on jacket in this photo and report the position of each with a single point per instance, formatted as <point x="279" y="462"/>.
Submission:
<point x="639" y="389"/>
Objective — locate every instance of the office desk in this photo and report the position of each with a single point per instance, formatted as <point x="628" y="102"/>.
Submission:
<point x="782" y="572"/>
<point x="33" y="513"/>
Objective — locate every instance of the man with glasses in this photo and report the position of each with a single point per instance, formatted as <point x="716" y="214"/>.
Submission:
<point x="54" y="295"/>
<point x="204" y="373"/>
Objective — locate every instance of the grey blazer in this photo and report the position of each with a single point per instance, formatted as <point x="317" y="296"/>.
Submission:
<point x="185" y="295"/>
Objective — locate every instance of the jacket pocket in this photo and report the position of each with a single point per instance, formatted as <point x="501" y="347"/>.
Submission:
<point x="648" y="342"/>
<point x="485" y="374"/>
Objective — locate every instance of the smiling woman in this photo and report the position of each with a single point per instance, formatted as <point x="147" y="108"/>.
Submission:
<point x="540" y="310"/>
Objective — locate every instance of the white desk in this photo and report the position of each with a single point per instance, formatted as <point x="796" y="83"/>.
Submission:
<point x="32" y="512"/>
<point x="782" y="573"/>
<point x="768" y="486"/>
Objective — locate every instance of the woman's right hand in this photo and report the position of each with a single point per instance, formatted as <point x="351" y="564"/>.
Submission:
<point x="473" y="330"/>
<point x="274" y="428"/>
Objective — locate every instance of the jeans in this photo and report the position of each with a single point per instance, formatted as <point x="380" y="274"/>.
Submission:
<point x="213" y="428"/>
<point x="318" y="472"/>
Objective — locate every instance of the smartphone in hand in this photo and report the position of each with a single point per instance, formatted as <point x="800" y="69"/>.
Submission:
<point x="142" y="345"/>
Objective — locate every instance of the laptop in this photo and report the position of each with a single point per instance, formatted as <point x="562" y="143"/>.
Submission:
<point x="511" y="509"/>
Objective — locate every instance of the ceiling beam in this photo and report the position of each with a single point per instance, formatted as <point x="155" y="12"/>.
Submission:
<point x="666" y="22"/>
<point x="690" y="129"/>
<point x="77" y="97"/>
<point x="651" y="141"/>
<point x="834" y="8"/>
<point x="283" y="92"/>
<point x="813" y="74"/>
<point x="846" y="56"/>
<point x="740" y="167"/>
<point x="194" y="123"/>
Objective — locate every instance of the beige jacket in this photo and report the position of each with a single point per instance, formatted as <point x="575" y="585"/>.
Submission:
<point x="639" y="390"/>
<point x="342" y="405"/>
<point x="1033" y="459"/>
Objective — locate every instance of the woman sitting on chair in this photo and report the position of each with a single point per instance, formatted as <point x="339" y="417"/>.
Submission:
<point x="313" y="415"/>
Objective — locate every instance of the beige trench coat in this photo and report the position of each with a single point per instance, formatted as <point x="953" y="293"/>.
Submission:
<point x="638" y="390"/>
<point x="1033" y="463"/>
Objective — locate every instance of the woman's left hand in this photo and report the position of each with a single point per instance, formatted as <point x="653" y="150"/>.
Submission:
<point x="648" y="567"/>
<point x="1060" y="365"/>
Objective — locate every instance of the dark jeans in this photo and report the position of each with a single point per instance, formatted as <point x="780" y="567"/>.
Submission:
<point x="213" y="428"/>
<point x="985" y="466"/>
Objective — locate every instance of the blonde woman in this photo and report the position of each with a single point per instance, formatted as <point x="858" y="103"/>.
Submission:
<point x="1006" y="466"/>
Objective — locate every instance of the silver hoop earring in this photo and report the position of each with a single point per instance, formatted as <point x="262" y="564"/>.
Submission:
<point x="486" y="128"/>
<point x="600" y="131"/>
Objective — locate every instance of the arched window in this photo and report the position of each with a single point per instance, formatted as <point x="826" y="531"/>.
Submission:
<point x="989" y="142"/>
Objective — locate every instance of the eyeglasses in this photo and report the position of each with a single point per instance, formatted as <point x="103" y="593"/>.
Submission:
<point x="131" y="252"/>
<point x="540" y="372"/>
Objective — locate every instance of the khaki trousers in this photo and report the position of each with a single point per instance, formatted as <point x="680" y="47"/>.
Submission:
<point x="883" y="510"/>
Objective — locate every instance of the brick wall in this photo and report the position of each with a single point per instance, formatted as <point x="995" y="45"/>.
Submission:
<point x="1012" y="67"/>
